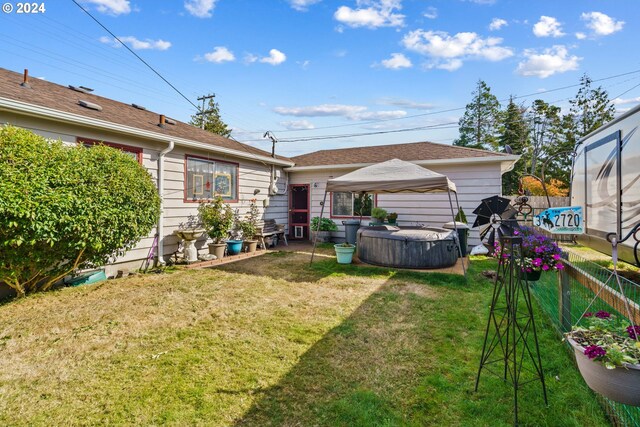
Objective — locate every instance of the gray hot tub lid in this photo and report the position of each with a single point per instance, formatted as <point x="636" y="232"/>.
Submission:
<point x="395" y="233"/>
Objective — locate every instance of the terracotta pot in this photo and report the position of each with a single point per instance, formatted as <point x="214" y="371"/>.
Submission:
<point x="217" y="249"/>
<point x="250" y="246"/>
<point x="619" y="384"/>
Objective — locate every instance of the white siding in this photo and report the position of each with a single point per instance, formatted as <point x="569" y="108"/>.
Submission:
<point x="474" y="183"/>
<point x="252" y="175"/>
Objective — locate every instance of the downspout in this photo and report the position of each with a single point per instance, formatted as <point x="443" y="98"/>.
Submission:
<point x="160" y="228"/>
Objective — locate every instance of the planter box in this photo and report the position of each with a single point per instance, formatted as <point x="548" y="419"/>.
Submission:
<point x="619" y="384"/>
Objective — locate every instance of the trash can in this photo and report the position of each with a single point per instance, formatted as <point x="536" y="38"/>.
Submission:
<point x="463" y="233"/>
<point x="351" y="230"/>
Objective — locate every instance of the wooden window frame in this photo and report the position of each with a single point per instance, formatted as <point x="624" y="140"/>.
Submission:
<point x="88" y="142"/>
<point x="331" y="215"/>
<point x="209" y="159"/>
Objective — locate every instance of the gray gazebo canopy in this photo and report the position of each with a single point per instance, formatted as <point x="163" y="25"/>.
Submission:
<point x="392" y="176"/>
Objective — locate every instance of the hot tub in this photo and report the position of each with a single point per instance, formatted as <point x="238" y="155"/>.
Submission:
<point x="407" y="247"/>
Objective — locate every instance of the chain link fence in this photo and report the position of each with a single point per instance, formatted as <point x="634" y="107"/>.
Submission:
<point x="586" y="286"/>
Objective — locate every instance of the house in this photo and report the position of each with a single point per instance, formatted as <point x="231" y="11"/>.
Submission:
<point x="187" y="163"/>
<point x="184" y="161"/>
<point x="476" y="173"/>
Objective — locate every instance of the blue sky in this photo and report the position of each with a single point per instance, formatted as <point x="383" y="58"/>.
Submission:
<point x="319" y="68"/>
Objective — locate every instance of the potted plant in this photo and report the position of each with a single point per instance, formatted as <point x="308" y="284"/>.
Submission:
<point x="608" y="355"/>
<point x="344" y="252"/>
<point x="539" y="252"/>
<point x="216" y="217"/>
<point x="249" y="227"/>
<point x="378" y="215"/>
<point x="326" y="226"/>
<point x="234" y="243"/>
<point x="392" y="218"/>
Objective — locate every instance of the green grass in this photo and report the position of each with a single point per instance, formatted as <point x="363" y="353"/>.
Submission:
<point x="272" y="341"/>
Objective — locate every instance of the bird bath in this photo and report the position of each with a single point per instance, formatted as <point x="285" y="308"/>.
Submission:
<point x="189" y="237"/>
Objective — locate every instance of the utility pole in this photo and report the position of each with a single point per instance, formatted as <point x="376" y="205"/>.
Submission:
<point x="202" y="112"/>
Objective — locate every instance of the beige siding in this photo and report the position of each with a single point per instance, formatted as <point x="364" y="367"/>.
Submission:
<point x="474" y="182"/>
<point x="252" y="175"/>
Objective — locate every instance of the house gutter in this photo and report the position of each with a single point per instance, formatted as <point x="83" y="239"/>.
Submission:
<point x="64" y="117"/>
<point x="506" y="163"/>
<point x="160" y="227"/>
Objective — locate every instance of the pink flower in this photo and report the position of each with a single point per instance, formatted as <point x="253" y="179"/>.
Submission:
<point x="537" y="262"/>
<point x="556" y="257"/>
<point x="545" y="267"/>
<point x="560" y="266"/>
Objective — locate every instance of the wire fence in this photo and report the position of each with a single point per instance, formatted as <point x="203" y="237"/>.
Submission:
<point x="586" y="286"/>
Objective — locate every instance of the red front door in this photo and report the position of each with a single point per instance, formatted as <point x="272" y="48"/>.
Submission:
<point x="299" y="211"/>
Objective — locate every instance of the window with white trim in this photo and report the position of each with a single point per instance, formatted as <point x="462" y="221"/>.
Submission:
<point x="206" y="179"/>
<point x="349" y="204"/>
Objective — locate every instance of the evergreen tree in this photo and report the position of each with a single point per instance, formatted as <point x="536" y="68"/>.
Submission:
<point x="545" y="132"/>
<point x="514" y="132"/>
<point x="591" y="108"/>
<point x="212" y="121"/>
<point x="479" y="124"/>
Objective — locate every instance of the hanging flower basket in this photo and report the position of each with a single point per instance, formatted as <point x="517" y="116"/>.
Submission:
<point x="621" y="384"/>
<point x="531" y="276"/>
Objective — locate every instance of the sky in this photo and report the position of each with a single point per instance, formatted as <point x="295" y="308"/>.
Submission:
<point x="322" y="74"/>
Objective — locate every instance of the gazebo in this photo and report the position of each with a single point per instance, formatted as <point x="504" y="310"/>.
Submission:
<point x="392" y="176"/>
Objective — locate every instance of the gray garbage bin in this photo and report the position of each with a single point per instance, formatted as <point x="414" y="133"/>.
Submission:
<point x="463" y="233"/>
<point x="351" y="230"/>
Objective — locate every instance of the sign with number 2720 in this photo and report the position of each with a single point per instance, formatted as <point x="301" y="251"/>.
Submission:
<point x="565" y="220"/>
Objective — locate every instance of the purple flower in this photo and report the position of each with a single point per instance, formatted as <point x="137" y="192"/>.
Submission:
<point x="588" y="314"/>
<point x="594" y="351"/>
<point x="603" y="315"/>
<point x="516" y="232"/>
<point x="545" y="267"/>
<point x="634" y="331"/>
<point x="560" y="266"/>
<point x="556" y="257"/>
<point x="539" y="250"/>
<point x="537" y="262"/>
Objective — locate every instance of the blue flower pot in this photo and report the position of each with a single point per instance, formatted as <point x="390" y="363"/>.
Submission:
<point x="234" y="247"/>
<point x="344" y="253"/>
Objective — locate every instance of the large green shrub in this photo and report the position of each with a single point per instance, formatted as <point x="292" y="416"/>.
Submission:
<point x="326" y="224"/>
<point x="67" y="207"/>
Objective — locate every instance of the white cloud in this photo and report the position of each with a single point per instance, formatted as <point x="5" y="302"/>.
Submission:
<point x="114" y="7"/>
<point x="431" y="13"/>
<point x="548" y="62"/>
<point x="351" y="112"/>
<point x="275" y="57"/>
<point x="622" y="101"/>
<point x="581" y="36"/>
<point x="397" y="61"/>
<point x="497" y="23"/>
<point x="405" y="103"/>
<point x="136" y="44"/>
<point x="548" y="26"/>
<point x="298" y="125"/>
<point x="449" y="52"/>
<point x="371" y="14"/>
<point x="219" y="55"/>
<point x="302" y="5"/>
<point x="601" y="24"/>
<point x="200" y="8"/>
<point x="250" y="58"/>
<point x="304" y="64"/>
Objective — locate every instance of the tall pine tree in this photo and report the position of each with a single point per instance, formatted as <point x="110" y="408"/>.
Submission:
<point x="591" y="108"/>
<point x="514" y="132"/>
<point x="212" y="121"/>
<point x="479" y="125"/>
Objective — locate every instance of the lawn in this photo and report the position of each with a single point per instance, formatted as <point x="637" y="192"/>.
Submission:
<point x="271" y="341"/>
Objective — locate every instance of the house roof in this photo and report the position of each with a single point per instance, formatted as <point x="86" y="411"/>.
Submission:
<point x="416" y="151"/>
<point x="61" y="98"/>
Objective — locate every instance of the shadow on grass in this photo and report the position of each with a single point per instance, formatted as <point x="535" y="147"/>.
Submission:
<point x="405" y="357"/>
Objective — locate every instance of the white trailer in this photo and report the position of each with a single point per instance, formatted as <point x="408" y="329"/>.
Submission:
<point x="606" y="181"/>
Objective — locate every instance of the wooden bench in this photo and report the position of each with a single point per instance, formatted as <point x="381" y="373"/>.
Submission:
<point x="270" y="228"/>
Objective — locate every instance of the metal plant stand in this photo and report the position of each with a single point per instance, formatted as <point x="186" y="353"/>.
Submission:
<point x="510" y="348"/>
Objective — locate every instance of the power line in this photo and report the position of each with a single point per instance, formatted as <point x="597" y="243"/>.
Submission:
<point x="135" y="54"/>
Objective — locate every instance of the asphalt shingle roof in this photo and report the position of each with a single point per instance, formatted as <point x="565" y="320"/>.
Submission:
<point x="46" y="94"/>
<point x="381" y="153"/>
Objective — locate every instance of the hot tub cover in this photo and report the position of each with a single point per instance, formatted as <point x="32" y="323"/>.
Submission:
<point x="392" y="176"/>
